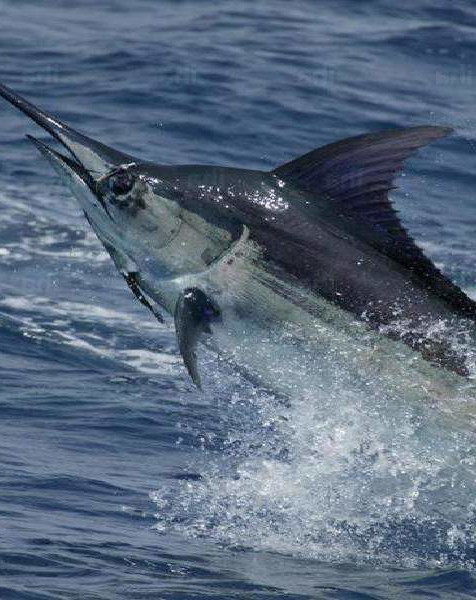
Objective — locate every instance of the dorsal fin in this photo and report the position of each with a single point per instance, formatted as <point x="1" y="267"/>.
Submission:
<point x="356" y="174"/>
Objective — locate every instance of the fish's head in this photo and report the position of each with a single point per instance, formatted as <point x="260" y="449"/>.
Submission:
<point x="154" y="214"/>
<point x="142" y="217"/>
<point x="136" y="211"/>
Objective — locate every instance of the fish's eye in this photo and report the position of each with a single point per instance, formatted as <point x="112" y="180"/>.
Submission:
<point x="122" y="182"/>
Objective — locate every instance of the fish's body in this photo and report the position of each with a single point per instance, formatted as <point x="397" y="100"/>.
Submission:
<point x="288" y="274"/>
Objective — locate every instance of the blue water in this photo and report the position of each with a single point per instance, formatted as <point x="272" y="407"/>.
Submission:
<point x="118" y="479"/>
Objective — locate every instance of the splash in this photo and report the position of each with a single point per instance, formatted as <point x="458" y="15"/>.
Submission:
<point x="337" y="475"/>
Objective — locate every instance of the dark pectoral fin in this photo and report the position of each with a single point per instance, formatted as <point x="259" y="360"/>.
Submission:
<point x="194" y="313"/>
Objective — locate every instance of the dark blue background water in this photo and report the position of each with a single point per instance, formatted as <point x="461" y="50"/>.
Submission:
<point x="117" y="478"/>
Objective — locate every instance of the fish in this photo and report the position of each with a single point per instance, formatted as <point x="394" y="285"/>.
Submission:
<point x="301" y="273"/>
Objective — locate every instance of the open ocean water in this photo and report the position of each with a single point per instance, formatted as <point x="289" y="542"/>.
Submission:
<point x="118" y="479"/>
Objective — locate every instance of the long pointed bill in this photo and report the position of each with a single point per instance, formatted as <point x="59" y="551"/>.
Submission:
<point x="94" y="156"/>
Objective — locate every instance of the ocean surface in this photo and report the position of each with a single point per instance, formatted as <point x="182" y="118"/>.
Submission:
<point x="118" y="479"/>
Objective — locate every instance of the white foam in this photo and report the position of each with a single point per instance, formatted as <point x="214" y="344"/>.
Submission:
<point x="45" y="319"/>
<point x="152" y="363"/>
<point x="337" y="475"/>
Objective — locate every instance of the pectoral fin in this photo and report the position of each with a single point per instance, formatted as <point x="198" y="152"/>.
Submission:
<point x="194" y="313"/>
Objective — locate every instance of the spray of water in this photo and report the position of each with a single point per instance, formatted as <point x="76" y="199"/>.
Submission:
<point x="341" y="472"/>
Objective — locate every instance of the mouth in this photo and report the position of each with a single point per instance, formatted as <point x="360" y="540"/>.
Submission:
<point x="90" y="159"/>
<point x="74" y="174"/>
